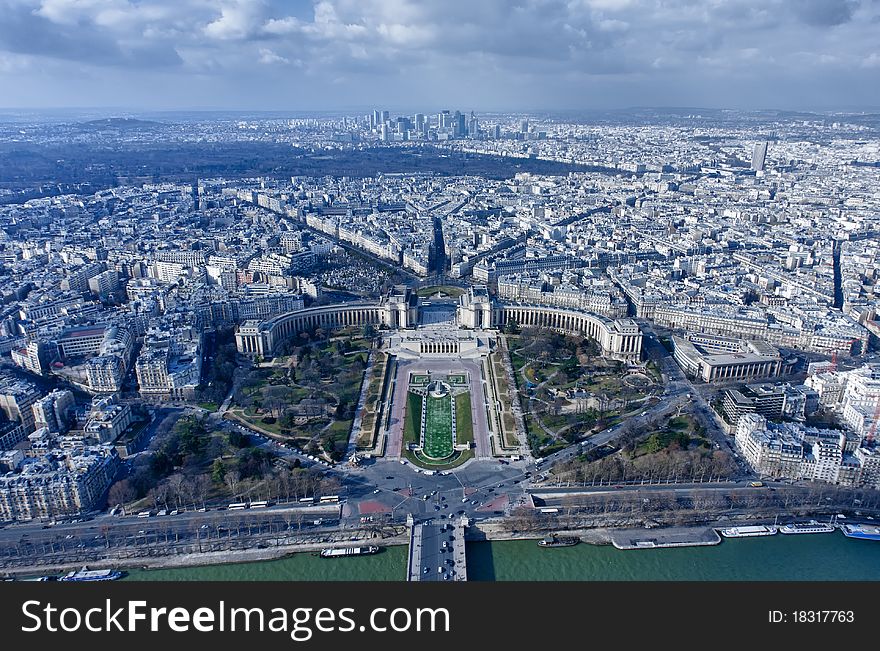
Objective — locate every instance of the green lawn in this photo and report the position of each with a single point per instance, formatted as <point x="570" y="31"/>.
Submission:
<point x="256" y="422"/>
<point x="509" y="425"/>
<point x="517" y="360"/>
<point x="680" y="423"/>
<point x="413" y="419"/>
<point x="555" y="421"/>
<point x="464" y="418"/>
<point x="445" y="464"/>
<point x="438" y="427"/>
<point x="438" y="424"/>
<point x="532" y="375"/>
<point x="339" y="430"/>
<point x="537" y="437"/>
<point x="411" y="433"/>
<point x="373" y="403"/>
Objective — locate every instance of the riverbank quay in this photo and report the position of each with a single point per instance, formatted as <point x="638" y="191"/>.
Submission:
<point x="660" y="538"/>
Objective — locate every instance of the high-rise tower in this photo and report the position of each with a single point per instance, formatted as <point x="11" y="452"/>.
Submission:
<point x="759" y="156"/>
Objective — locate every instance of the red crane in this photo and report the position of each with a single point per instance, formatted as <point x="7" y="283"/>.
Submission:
<point x="873" y="429"/>
<point x="834" y="354"/>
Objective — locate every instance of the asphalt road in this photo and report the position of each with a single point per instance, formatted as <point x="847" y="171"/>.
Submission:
<point x="569" y="495"/>
<point x="400" y="489"/>
<point x="105" y="534"/>
<point x="400" y="492"/>
<point x="433" y="556"/>
<point x="380" y="491"/>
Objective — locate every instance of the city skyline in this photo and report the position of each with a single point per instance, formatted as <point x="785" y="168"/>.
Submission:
<point x="326" y="278"/>
<point x="341" y="55"/>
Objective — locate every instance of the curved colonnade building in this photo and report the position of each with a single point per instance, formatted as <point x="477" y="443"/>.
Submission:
<point x="618" y="338"/>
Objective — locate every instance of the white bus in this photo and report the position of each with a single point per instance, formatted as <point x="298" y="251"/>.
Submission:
<point x="237" y="506"/>
<point x="329" y="499"/>
<point x="259" y="505"/>
<point x="307" y="500"/>
<point x="549" y="510"/>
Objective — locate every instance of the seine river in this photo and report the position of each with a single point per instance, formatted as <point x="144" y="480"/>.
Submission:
<point x="807" y="557"/>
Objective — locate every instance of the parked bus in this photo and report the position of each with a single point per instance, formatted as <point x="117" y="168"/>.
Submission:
<point x="549" y="510"/>
<point x="329" y="499"/>
<point x="307" y="500"/>
<point x="259" y="505"/>
<point x="237" y="506"/>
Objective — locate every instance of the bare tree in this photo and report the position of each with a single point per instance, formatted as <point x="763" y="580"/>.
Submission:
<point x="232" y="480"/>
<point x="201" y="484"/>
<point x="159" y="495"/>
<point x="122" y="492"/>
<point x="177" y="488"/>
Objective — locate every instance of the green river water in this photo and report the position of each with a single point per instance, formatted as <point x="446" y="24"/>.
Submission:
<point x="816" y="557"/>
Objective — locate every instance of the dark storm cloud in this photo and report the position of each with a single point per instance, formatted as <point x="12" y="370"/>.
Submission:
<point x="490" y="52"/>
<point x="25" y="31"/>
<point x="825" y="13"/>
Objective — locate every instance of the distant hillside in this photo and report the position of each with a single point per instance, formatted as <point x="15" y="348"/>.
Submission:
<point x="120" y="124"/>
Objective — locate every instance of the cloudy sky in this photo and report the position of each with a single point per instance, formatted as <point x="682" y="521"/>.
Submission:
<point x="468" y="54"/>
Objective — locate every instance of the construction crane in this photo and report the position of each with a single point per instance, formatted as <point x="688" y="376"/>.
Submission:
<point x="834" y="353"/>
<point x="869" y="438"/>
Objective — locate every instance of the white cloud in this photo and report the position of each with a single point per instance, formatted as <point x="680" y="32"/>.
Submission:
<point x="608" y="5"/>
<point x="611" y="25"/>
<point x="544" y="43"/>
<point x="238" y="20"/>
<point x="871" y="61"/>
<point x="280" y="26"/>
<point x="405" y="35"/>
<point x="69" y="12"/>
<point x="268" y="57"/>
<point x="13" y="63"/>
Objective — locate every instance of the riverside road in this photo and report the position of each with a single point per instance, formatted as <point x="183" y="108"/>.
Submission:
<point x="377" y="497"/>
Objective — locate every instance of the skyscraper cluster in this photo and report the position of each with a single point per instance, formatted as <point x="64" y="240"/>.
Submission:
<point x="445" y="125"/>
